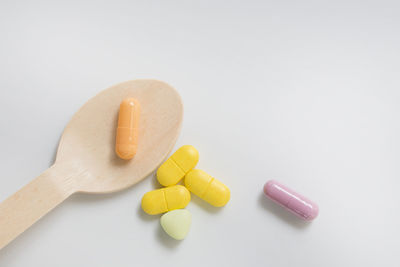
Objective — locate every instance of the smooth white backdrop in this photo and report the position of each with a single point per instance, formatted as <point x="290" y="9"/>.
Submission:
<point x="305" y="92"/>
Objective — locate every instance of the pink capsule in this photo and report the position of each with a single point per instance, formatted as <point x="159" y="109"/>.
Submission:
<point x="292" y="201"/>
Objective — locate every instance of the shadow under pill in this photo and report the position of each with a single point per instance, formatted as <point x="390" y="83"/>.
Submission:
<point x="165" y="239"/>
<point x="281" y="213"/>
<point x="144" y="216"/>
<point x="154" y="181"/>
<point x="204" y="205"/>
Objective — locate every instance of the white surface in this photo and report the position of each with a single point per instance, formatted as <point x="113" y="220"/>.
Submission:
<point x="306" y="92"/>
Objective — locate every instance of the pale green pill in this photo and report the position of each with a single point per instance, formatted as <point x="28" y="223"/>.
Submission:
<point x="176" y="223"/>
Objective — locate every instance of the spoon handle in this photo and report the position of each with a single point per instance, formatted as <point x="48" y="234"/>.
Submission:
<point x="30" y="203"/>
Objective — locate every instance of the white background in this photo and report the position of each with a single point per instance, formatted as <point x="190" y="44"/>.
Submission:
<point x="306" y="92"/>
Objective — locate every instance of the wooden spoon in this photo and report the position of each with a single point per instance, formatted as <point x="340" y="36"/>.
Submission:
<point x="86" y="160"/>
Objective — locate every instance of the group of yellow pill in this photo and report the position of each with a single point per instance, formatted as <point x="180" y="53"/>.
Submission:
<point x="173" y="198"/>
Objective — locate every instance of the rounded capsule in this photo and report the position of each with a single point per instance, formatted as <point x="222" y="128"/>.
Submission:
<point x="176" y="166"/>
<point x="290" y="200"/>
<point x="165" y="199"/>
<point x="176" y="223"/>
<point x="207" y="188"/>
<point x="127" y="131"/>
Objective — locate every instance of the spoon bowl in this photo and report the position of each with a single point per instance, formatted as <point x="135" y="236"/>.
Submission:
<point x="88" y="140"/>
<point x="86" y="160"/>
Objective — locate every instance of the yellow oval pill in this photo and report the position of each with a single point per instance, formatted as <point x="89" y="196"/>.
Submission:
<point x="207" y="188"/>
<point x="176" y="166"/>
<point x="165" y="199"/>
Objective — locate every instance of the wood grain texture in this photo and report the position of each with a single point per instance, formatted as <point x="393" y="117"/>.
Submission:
<point x="86" y="159"/>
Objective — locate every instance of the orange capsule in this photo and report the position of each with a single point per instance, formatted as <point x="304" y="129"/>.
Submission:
<point x="128" y="126"/>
